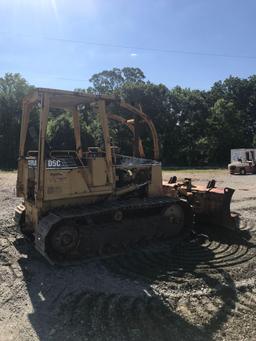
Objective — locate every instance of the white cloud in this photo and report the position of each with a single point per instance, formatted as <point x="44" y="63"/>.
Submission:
<point x="133" y="54"/>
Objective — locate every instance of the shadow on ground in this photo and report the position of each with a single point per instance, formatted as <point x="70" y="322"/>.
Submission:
<point x="179" y="290"/>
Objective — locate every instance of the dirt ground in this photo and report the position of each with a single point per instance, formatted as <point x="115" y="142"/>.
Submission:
<point x="199" y="289"/>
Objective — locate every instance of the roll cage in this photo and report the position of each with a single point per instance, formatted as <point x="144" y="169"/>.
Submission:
<point x="71" y="101"/>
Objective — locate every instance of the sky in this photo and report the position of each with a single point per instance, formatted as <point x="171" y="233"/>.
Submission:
<point x="191" y="43"/>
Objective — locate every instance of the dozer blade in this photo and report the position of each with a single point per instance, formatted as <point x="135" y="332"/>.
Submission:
<point x="211" y="205"/>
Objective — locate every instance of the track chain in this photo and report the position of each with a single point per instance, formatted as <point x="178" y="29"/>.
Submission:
<point x="98" y="231"/>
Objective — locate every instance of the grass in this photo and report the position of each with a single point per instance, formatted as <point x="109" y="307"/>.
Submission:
<point x="193" y="170"/>
<point x="5" y="171"/>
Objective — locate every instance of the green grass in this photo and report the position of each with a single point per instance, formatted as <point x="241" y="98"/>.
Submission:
<point x="193" y="170"/>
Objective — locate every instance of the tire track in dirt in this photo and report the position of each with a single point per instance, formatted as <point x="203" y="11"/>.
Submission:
<point x="188" y="291"/>
<point x="127" y="318"/>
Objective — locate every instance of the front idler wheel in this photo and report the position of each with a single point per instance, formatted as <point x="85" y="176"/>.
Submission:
<point x="174" y="218"/>
<point x="118" y="216"/>
<point x="65" y="239"/>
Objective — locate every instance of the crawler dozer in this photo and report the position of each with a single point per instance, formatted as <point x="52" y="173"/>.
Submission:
<point x="81" y="204"/>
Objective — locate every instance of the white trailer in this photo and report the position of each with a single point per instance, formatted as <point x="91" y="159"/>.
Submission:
<point x="243" y="161"/>
<point x="243" y="154"/>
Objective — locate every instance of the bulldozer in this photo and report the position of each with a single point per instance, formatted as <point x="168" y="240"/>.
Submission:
<point x="81" y="204"/>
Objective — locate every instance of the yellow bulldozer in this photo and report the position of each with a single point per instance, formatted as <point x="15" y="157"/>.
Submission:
<point x="81" y="204"/>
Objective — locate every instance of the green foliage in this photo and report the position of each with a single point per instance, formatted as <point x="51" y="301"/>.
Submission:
<point x="109" y="82"/>
<point x="226" y="129"/>
<point x="91" y="132"/>
<point x="195" y="127"/>
<point x="12" y="90"/>
<point x="59" y="132"/>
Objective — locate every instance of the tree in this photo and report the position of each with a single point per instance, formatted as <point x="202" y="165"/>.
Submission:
<point x="190" y="112"/>
<point x="13" y="87"/>
<point x="225" y="131"/>
<point x="60" y="130"/>
<point x="233" y="117"/>
<point x="57" y="128"/>
<point x="155" y="102"/>
<point x="109" y="82"/>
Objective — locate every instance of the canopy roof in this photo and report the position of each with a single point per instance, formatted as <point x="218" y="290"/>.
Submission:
<point x="65" y="98"/>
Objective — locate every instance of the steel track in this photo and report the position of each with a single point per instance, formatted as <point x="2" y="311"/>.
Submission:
<point x="101" y="236"/>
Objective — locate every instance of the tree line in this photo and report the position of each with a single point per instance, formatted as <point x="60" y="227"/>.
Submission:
<point x="195" y="127"/>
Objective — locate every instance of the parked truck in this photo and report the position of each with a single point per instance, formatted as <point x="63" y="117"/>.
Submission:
<point x="242" y="161"/>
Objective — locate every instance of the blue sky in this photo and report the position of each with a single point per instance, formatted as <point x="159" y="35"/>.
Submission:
<point x="224" y="27"/>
